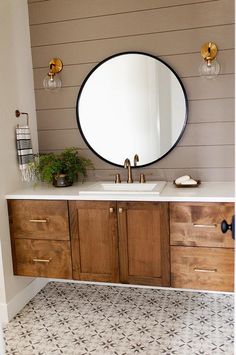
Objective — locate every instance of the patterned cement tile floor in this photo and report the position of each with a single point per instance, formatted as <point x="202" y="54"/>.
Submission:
<point x="76" y="319"/>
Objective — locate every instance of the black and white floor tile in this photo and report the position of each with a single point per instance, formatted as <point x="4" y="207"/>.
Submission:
<point x="80" y="319"/>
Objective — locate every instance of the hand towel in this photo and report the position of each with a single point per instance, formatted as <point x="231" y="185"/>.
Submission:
<point x="24" y="152"/>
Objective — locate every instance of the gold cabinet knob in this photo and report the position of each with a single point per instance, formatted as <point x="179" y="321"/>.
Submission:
<point x="111" y="209"/>
<point x="120" y="210"/>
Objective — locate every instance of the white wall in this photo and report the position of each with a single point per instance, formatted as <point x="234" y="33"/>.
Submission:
<point x="16" y="92"/>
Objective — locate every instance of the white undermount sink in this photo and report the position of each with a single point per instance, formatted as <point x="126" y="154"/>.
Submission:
<point x="153" y="187"/>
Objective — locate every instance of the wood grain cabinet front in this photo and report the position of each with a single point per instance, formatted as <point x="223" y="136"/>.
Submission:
<point x="199" y="224"/>
<point x="123" y="241"/>
<point x="149" y="243"/>
<point x="202" y="268"/>
<point x="40" y="238"/>
<point x="42" y="258"/>
<point x="144" y="243"/>
<point x="39" y="219"/>
<point x="94" y="240"/>
<point x="202" y="257"/>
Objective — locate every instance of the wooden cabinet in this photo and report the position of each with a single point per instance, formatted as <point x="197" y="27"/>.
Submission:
<point x="94" y="240"/>
<point x="148" y="243"/>
<point x="199" y="224"/>
<point x="144" y="243"/>
<point x="46" y="258"/>
<point x="202" y="268"/>
<point x="40" y="238"/>
<point x="202" y="257"/>
<point x="124" y="241"/>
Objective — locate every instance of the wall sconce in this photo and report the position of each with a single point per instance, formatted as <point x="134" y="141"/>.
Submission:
<point x="210" y="68"/>
<point x="51" y="82"/>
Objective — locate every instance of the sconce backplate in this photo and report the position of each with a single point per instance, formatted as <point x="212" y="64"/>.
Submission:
<point x="55" y="65"/>
<point x="209" y="51"/>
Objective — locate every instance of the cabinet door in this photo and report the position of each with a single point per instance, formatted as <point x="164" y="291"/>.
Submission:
<point x="144" y="243"/>
<point x="94" y="240"/>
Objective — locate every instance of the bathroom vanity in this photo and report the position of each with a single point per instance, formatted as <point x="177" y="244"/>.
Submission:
<point x="169" y="239"/>
<point x="132" y="233"/>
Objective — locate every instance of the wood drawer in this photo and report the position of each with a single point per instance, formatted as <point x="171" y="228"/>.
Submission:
<point x="37" y="219"/>
<point x="202" y="268"/>
<point x="42" y="258"/>
<point x="199" y="224"/>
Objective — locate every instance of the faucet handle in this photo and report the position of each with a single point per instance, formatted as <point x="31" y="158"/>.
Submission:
<point x="142" y="178"/>
<point x="136" y="159"/>
<point x="126" y="163"/>
<point x="117" y="179"/>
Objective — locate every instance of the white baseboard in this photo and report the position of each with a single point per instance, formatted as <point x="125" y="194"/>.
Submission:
<point x="3" y="314"/>
<point x="10" y="309"/>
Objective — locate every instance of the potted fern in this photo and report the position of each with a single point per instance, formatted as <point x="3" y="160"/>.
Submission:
<point x="60" y="169"/>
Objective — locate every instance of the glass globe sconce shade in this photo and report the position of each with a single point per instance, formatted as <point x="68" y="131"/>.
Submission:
<point x="51" y="82"/>
<point x="210" y="68"/>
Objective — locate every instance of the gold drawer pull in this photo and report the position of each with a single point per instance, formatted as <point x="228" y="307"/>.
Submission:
<point x="120" y="210"/>
<point x="205" y="270"/>
<point x="42" y="260"/>
<point x="38" y="220"/>
<point x="204" y="225"/>
<point x="111" y="210"/>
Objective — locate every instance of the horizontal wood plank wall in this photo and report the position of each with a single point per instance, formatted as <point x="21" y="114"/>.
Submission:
<point x="84" y="32"/>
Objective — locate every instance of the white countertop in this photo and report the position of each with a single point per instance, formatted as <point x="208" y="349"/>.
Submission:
<point x="206" y="192"/>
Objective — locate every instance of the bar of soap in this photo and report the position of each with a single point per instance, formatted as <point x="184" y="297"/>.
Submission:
<point x="182" y="179"/>
<point x="189" y="182"/>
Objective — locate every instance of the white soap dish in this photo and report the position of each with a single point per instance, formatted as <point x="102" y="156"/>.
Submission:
<point x="188" y="185"/>
<point x="186" y="181"/>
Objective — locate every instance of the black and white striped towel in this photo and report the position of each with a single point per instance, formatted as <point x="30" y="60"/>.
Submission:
<point x="24" y="152"/>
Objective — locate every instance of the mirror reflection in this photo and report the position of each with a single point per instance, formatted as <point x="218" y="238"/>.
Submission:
<point x="132" y="104"/>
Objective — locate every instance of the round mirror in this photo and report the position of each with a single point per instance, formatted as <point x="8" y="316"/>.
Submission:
<point x="132" y="104"/>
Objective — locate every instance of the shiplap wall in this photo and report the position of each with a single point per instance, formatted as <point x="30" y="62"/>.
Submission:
<point x="84" y="32"/>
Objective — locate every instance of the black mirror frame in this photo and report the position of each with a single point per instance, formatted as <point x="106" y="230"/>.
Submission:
<point x="84" y="83"/>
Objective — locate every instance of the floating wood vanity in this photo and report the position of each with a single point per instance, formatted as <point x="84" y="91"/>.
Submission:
<point x="172" y="241"/>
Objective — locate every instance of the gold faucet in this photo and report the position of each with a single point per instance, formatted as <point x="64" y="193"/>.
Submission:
<point x="128" y="166"/>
